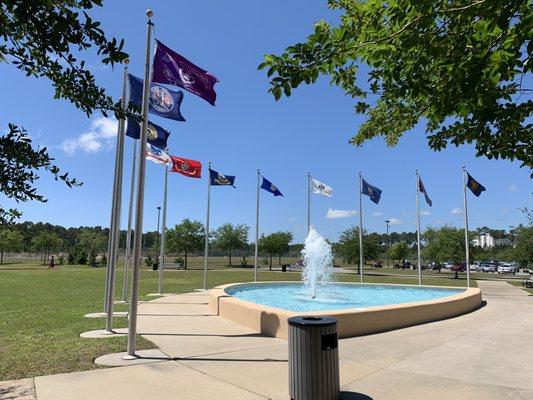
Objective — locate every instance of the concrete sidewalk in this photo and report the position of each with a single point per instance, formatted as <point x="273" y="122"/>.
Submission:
<point x="483" y="355"/>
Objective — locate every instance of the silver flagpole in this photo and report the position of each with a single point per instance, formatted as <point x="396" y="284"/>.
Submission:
<point x="137" y="245"/>
<point x="163" y="231"/>
<point x="419" y="264"/>
<point x="361" y="262"/>
<point x="308" y="201"/>
<point x="256" y="228"/>
<point x="130" y="217"/>
<point x="115" y="233"/>
<point x="206" y="246"/>
<point x="466" y="231"/>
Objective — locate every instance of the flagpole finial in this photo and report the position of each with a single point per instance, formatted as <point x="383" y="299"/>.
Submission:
<point x="149" y="13"/>
<point x="126" y="61"/>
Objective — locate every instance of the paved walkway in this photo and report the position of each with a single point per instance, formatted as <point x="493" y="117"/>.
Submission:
<point x="483" y="355"/>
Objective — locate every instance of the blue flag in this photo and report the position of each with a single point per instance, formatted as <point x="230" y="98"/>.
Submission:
<point x="422" y="189"/>
<point x="474" y="185"/>
<point x="163" y="102"/>
<point x="269" y="187"/>
<point x="157" y="136"/>
<point x="371" y="191"/>
<point x="218" y="179"/>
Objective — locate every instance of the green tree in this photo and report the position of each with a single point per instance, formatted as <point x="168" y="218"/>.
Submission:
<point x="275" y="243"/>
<point x="444" y="244"/>
<point x="229" y="237"/>
<point x="347" y="246"/>
<point x="523" y="250"/>
<point x="44" y="39"/>
<point x="10" y="240"/>
<point x="460" y="66"/>
<point x="93" y="243"/>
<point x="186" y="237"/>
<point x="45" y="243"/>
<point x="399" y="251"/>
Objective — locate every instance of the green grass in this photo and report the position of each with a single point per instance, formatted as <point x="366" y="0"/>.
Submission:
<point x="41" y="311"/>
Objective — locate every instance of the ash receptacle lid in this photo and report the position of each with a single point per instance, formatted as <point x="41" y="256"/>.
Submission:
<point x="312" y="321"/>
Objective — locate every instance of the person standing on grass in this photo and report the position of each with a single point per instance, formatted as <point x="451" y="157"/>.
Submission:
<point x="52" y="264"/>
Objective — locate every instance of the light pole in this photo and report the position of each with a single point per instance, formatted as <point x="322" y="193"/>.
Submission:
<point x="157" y="237"/>
<point x="387" y="222"/>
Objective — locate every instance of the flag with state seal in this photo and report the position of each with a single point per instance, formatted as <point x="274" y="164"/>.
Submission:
<point x="157" y="136"/>
<point x="157" y="155"/>
<point x="163" y="102"/>
<point x="218" y="179"/>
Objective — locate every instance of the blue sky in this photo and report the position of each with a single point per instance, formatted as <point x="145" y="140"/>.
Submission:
<point x="247" y="130"/>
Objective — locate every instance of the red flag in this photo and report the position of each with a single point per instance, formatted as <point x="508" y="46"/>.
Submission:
<point x="190" y="168"/>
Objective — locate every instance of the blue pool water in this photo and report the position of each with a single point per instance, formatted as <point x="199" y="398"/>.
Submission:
<point x="335" y="296"/>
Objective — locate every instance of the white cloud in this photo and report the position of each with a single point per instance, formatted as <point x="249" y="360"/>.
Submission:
<point x="395" y="221"/>
<point x="425" y="213"/>
<point x="101" y="131"/>
<point x="512" y="188"/>
<point x="334" y="214"/>
<point x="456" y="211"/>
<point x="292" y="219"/>
<point x="377" y="213"/>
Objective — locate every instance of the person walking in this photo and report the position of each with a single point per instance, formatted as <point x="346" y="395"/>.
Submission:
<point x="52" y="264"/>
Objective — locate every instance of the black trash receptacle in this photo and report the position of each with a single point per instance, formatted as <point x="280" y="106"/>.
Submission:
<point x="284" y="268"/>
<point x="313" y="358"/>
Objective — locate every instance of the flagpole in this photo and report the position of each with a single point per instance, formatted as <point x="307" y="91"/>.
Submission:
<point x="419" y="264"/>
<point x="163" y="232"/>
<point x="132" y="329"/>
<point x="361" y="263"/>
<point x="206" y="249"/>
<point x="466" y="231"/>
<point x="117" y="199"/>
<point x="308" y="201"/>
<point x="256" y="228"/>
<point x="130" y="217"/>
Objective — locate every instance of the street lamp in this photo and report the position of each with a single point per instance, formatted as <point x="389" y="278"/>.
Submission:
<point x="387" y="222"/>
<point x="157" y="237"/>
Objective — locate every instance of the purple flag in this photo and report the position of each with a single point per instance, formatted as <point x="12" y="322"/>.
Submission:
<point x="173" y="69"/>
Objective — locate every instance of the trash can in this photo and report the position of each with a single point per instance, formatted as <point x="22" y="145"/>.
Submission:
<point x="284" y="268"/>
<point x="313" y="358"/>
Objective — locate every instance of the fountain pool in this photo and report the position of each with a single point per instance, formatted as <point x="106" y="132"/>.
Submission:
<point x="360" y="308"/>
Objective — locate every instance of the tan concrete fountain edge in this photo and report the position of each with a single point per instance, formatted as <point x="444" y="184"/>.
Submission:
<point x="271" y="321"/>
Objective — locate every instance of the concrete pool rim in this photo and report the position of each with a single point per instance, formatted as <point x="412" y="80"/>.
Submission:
<point x="272" y="321"/>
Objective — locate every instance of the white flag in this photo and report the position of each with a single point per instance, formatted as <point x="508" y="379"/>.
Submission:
<point x="321" y="188"/>
<point x="157" y="155"/>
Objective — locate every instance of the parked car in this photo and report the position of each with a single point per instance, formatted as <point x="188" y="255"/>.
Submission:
<point x="377" y="264"/>
<point x="476" y="266"/>
<point x="435" y="266"/>
<point x="507" y="268"/>
<point x="448" y="264"/>
<point x="488" y="267"/>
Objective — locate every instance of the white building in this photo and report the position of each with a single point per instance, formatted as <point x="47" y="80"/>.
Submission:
<point x="486" y="241"/>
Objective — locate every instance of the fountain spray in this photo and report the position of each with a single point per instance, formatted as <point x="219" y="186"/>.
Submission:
<point x="318" y="262"/>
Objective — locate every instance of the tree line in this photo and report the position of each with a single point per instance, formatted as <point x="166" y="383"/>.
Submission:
<point x="88" y="245"/>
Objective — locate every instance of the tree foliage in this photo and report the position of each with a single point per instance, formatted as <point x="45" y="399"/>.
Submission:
<point x="46" y="243"/>
<point x="186" y="237"/>
<point x="275" y="243"/>
<point x="10" y="240"/>
<point x="347" y="246"/>
<point x="19" y="164"/>
<point x="399" y="251"/>
<point x="92" y="243"/>
<point x="444" y="244"/>
<point x="43" y="39"/>
<point x="458" y="65"/>
<point x="229" y="237"/>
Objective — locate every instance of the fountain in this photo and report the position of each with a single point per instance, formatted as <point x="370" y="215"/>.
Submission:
<point x="360" y="308"/>
<point x="318" y="262"/>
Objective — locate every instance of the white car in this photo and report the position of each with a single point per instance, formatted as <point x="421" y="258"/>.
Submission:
<point x="505" y="269"/>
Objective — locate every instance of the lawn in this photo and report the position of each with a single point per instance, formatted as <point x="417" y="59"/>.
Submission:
<point x="41" y="311"/>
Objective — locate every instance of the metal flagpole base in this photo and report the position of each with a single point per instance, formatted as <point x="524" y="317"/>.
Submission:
<point x="121" y="302"/>
<point x="103" y="334"/>
<point x="117" y="314"/>
<point x="127" y="357"/>
<point x="140" y="357"/>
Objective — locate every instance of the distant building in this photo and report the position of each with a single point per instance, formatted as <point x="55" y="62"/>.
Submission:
<point x="486" y="241"/>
